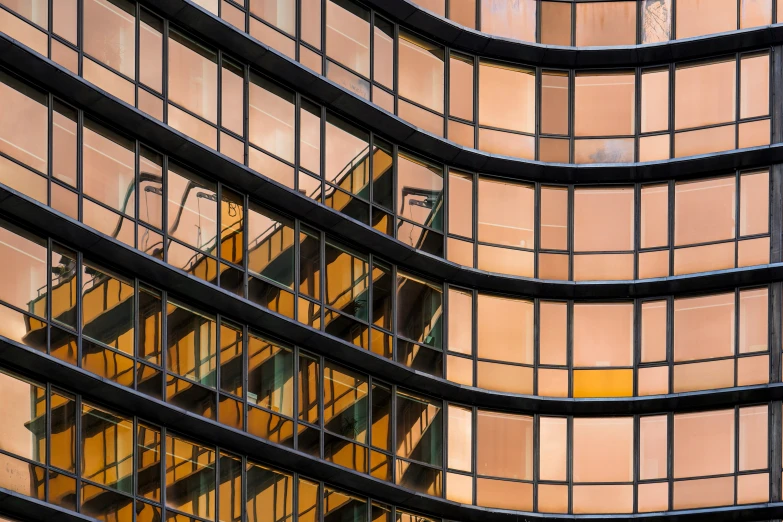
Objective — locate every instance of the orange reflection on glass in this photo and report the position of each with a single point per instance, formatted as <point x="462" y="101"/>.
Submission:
<point x="655" y="215"/>
<point x="505" y="213"/>
<point x="553" y="332"/>
<point x="462" y="133"/>
<point x="753" y="252"/>
<point x="603" y="219"/>
<point x="603" y="383"/>
<point x="459" y="488"/>
<point x="506" y="143"/>
<point x="754" y="13"/>
<point x="753" y="489"/>
<point x="704" y="210"/>
<point x="753" y="134"/>
<point x="554" y="150"/>
<point x="704" y="141"/>
<point x="603" y="267"/>
<point x="460" y="437"/>
<point x="460" y="317"/>
<point x="653" y="264"/>
<point x="552" y="498"/>
<point x="459" y="370"/>
<point x="753" y="437"/>
<point x="505" y="261"/>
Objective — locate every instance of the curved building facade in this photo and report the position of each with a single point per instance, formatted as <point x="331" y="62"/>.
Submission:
<point x="391" y="260"/>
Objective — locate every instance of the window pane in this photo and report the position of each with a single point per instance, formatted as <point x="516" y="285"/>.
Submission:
<point x="419" y="310"/>
<point x="506" y="213"/>
<point x="655" y="100"/>
<point x="192" y="209"/>
<point x="185" y="460"/>
<point x="603" y="449"/>
<point x="653" y="447"/>
<point x="505" y="329"/>
<point x="654" y="317"/>
<point x="553" y="437"/>
<point x="460" y="204"/>
<point x="753" y="437"/>
<point x="107" y="448"/>
<point x="605" y="23"/>
<point x="507" y="96"/>
<point x="151" y="51"/>
<point x="270" y="245"/>
<point x="383" y="53"/>
<point x="604" y="104"/>
<point x="107" y="309"/>
<point x="603" y="334"/>
<point x="271" y="116"/>
<point x="348" y="35"/>
<point x="110" y="34"/>
<point x="345" y="402"/>
<point x="754" y="320"/>
<point x="603" y="219"/>
<point x="419" y="429"/>
<point x="698" y="17"/>
<point x="504" y="445"/>
<point x="509" y="18"/>
<point x="280" y="13"/>
<point x="656" y="21"/>
<point x="703" y="443"/>
<point x="754" y="85"/>
<point x="460" y="438"/>
<point x="421" y="72"/>
<point x="191" y="344"/>
<point x="554" y="218"/>
<point x="23" y="123"/>
<point x="420" y="191"/>
<point x="655" y="216"/>
<point x="556" y="23"/>
<point x="754" y="203"/>
<point x="18" y="436"/>
<point x="554" y="101"/>
<point x="704" y="210"/>
<point x="347" y="158"/>
<point x="704" y="327"/>
<point x="23" y="279"/>
<point x="705" y="94"/>
<point x="193" y="76"/>
<point x="461" y="86"/>
<point x="109" y="168"/>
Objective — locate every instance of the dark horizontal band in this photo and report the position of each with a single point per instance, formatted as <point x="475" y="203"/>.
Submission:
<point x="112" y="253"/>
<point x="487" y="45"/>
<point x="276" y="65"/>
<point x="110" y="394"/>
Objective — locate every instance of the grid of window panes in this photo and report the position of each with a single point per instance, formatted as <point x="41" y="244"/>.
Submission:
<point x="608" y="349"/>
<point x="508" y="109"/>
<point x="608" y="232"/>
<point x="643" y="347"/>
<point x="596" y="23"/>
<point x="127" y="332"/>
<point x="69" y="451"/>
<point x="118" y="186"/>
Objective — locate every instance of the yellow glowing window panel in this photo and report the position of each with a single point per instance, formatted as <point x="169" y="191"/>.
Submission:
<point x="603" y="383"/>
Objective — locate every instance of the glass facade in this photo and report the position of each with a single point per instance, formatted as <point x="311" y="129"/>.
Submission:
<point x="637" y="372"/>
